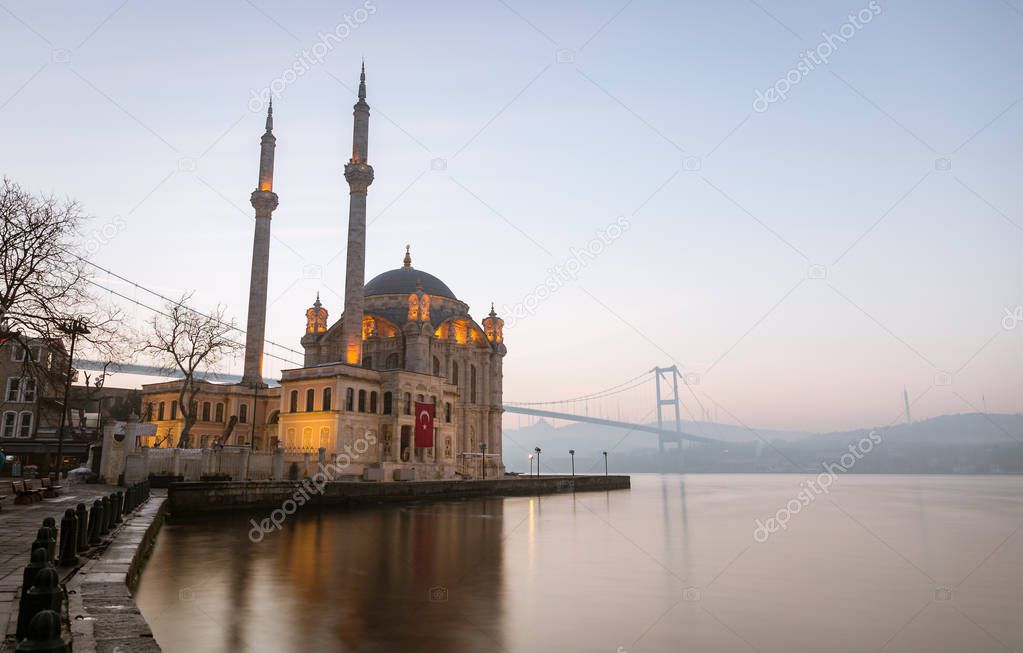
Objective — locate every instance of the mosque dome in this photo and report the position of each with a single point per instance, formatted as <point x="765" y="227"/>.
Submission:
<point x="406" y="280"/>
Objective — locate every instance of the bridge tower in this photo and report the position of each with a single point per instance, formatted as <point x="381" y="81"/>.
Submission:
<point x="659" y="376"/>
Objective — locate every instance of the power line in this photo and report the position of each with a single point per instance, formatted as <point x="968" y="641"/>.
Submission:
<point x="160" y="312"/>
<point x="173" y="301"/>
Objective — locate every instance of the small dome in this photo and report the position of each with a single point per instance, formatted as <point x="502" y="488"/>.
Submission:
<point x="406" y="280"/>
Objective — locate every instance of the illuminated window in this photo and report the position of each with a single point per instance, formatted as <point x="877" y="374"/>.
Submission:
<point x="325" y="437"/>
<point x="307" y="438"/>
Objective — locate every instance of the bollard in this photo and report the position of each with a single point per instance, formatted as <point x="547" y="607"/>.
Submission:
<point x="44" y="595"/>
<point x="51" y="524"/>
<point x="44" y="541"/>
<point x="104" y="515"/>
<point x="118" y="499"/>
<point x="69" y="539"/>
<point x="95" y="517"/>
<point x="110" y="510"/>
<point x="83" y="527"/>
<point x="37" y="563"/>
<point x="43" y="635"/>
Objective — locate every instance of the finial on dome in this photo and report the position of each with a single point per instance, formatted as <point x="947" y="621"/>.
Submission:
<point x="492" y="313"/>
<point x="270" y="116"/>
<point x="408" y="257"/>
<point x="362" y="81"/>
<point x="317" y="303"/>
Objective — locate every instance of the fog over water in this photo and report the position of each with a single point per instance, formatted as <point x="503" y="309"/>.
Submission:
<point x="899" y="563"/>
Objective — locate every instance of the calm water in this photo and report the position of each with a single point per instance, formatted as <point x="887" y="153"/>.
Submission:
<point x="899" y="563"/>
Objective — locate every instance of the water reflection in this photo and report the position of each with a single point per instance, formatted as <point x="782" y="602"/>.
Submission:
<point x="424" y="578"/>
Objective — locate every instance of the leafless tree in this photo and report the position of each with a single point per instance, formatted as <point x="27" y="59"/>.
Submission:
<point x="46" y="285"/>
<point x="191" y="344"/>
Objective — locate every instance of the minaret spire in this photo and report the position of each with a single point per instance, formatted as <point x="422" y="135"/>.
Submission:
<point x="264" y="201"/>
<point x="359" y="175"/>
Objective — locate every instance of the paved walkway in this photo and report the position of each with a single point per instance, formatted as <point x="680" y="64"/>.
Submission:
<point x="18" y="528"/>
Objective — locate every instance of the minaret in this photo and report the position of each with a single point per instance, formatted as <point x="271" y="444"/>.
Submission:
<point x="359" y="175"/>
<point x="264" y="201"/>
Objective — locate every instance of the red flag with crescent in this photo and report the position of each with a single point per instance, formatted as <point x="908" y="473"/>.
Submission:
<point x="424" y="425"/>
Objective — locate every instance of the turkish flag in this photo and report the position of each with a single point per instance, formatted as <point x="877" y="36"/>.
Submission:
<point x="424" y="425"/>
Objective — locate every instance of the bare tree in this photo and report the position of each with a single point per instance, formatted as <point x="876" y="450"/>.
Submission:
<point x="191" y="344"/>
<point x="45" y="286"/>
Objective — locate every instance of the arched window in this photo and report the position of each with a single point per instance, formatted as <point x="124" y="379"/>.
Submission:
<point x="218" y="413"/>
<point x="293" y="402"/>
<point x="408" y="403"/>
<point x="206" y="411"/>
<point x="362" y="401"/>
<point x="325" y="437"/>
<point x="159" y="412"/>
<point x="307" y="438"/>
<point x="310" y="397"/>
<point x="388" y="400"/>
<point x="10" y="420"/>
<point x="349" y="399"/>
<point x="447" y="412"/>
<point x="291" y="438"/>
<point x="373" y="402"/>
<point x="472" y="384"/>
<point x="454" y="373"/>
<point x="326" y="399"/>
<point x="436" y="366"/>
<point x="392" y="362"/>
<point x="174" y="409"/>
<point x="243" y="413"/>
<point x="25" y="425"/>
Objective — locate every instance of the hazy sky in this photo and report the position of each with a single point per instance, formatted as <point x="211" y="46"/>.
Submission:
<point x="893" y="167"/>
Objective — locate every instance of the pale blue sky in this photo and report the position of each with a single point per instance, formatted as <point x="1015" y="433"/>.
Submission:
<point x="112" y="102"/>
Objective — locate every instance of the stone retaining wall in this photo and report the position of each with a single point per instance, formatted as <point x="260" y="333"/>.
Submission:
<point x="190" y="498"/>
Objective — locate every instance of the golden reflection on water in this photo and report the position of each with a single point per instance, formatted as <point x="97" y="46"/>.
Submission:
<point x="666" y="566"/>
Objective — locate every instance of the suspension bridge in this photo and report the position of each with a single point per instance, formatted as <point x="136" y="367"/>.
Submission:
<point x="602" y="408"/>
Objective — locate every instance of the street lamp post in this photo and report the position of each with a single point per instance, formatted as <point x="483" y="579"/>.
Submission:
<point x="530" y="464"/>
<point x="605" y="463"/>
<point x="75" y="328"/>
<point x="537" y="452"/>
<point x="483" y="459"/>
<point x="571" y="452"/>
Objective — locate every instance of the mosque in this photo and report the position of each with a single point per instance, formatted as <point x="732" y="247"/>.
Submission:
<point x="406" y="383"/>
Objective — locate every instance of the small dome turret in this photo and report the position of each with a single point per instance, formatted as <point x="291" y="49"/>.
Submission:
<point x="316" y="318"/>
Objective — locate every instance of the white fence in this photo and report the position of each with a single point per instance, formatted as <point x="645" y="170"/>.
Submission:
<point x="235" y="463"/>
